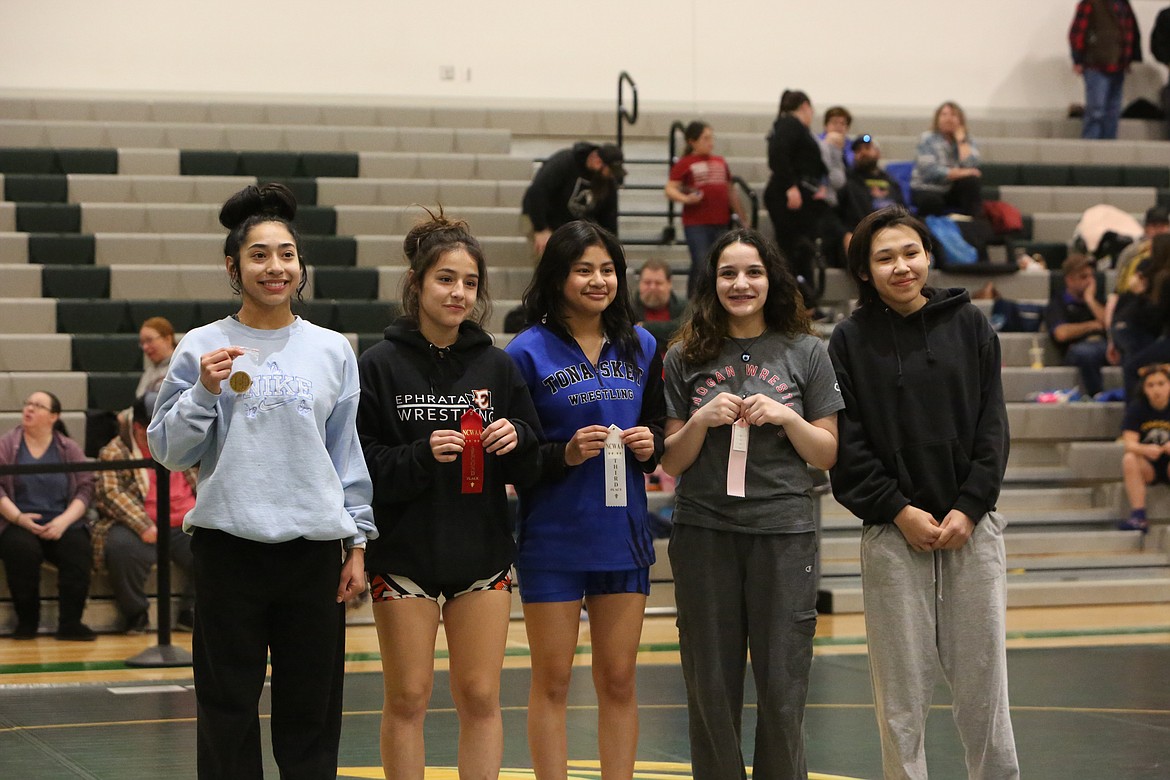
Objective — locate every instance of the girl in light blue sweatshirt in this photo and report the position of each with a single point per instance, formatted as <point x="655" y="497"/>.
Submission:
<point x="266" y="404"/>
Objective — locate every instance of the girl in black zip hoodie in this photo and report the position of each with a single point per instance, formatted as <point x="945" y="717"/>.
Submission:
<point x="922" y="451"/>
<point x="445" y="421"/>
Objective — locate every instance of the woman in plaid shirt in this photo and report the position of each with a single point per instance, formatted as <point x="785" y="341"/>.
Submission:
<point x="125" y="533"/>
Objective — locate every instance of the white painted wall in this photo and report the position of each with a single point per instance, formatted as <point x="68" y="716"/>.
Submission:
<point x="987" y="54"/>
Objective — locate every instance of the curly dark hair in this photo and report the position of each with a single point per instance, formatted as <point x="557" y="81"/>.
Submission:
<point x="702" y="333"/>
<point x="544" y="300"/>
<point x="428" y="241"/>
<point x="252" y="206"/>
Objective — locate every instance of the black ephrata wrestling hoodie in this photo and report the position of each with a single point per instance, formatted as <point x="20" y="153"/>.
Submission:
<point x="429" y="530"/>
<point x="924" y="420"/>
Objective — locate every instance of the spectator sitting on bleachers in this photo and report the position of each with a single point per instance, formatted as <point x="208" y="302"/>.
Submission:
<point x="126" y="531"/>
<point x="1156" y="222"/>
<point x="837" y="122"/>
<point x="1158" y="351"/>
<point x="1076" y="322"/>
<point x="946" y="175"/>
<point x="835" y="150"/>
<point x="1145" y="432"/>
<point x="656" y="307"/>
<point x="157" y="340"/>
<point x="576" y="183"/>
<point x="1136" y="319"/>
<point x="868" y="187"/>
<point x="42" y="517"/>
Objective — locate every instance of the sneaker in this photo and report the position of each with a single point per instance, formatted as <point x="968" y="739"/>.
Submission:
<point x="136" y="625"/>
<point x="24" y="631"/>
<point x="1108" y="396"/>
<point x="185" y="620"/>
<point x="78" y="632"/>
<point x="1134" y="524"/>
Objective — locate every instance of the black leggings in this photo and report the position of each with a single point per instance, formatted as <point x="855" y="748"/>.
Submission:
<point x="23" y="553"/>
<point x="965" y="196"/>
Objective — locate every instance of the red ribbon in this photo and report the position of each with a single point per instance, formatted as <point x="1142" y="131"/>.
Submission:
<point x="472" y="426"/>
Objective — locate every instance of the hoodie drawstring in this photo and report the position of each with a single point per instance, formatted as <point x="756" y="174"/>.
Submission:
<point x="938" y="575"/>
<point x="926" y="339"/>
<point x="894" y="336"/>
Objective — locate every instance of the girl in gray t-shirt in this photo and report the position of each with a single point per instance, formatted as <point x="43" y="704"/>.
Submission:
<point x="751" y="402"/>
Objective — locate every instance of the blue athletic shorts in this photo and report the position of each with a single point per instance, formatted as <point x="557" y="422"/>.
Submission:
<point x="547" y="585"/>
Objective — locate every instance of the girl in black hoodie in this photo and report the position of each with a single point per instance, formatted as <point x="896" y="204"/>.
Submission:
<point x="922" y="450"/>
<point x="445" y="421"/>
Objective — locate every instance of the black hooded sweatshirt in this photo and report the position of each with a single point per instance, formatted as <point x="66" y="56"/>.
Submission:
<point x="924" y="421"/>
<point x="429" y="530"/>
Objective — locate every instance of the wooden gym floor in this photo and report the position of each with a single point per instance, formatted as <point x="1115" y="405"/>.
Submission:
<point x="1090" y="692"/>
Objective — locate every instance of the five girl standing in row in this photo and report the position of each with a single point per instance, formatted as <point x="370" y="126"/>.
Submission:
<point x="574" y="415"/>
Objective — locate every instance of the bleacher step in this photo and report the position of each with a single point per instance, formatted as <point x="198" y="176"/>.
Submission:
<point x="1035" y="589"/>
<point x="1019" y="564"/>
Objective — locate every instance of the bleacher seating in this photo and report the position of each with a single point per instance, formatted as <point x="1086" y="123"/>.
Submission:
<point x="110" y="215"/>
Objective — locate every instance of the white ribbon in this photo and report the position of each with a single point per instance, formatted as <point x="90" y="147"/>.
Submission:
<point x="615" y="468"/>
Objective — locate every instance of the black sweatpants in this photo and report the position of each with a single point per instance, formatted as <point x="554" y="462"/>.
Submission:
<point x="252" y="599"/>
<point x="740" y="593"/>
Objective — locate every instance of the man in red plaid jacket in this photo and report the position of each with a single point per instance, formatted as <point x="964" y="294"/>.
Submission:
<point x="1104" y="39"/>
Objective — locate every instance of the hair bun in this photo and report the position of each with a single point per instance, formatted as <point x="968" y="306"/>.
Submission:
<point x="273" y="200"/>
<point x="433" y="225"/>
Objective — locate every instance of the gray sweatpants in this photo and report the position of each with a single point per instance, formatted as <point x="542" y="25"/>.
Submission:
<point x="737" y="593"/>
<point x="129" y="561"/>
<point x="926" y="611"/>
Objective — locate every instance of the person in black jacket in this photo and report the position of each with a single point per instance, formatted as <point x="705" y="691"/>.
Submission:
<point x="795" y="195"/>
<point x="576" y="183"/>
<point x="445" y="421"/>
<point x="1160" y="48"/>
<point x="923" y="445"/>
<point x="867" y="186"/>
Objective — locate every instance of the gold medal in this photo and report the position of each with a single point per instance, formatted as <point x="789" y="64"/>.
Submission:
<point x="244" y="367"/>
<point x="240" y="381"/>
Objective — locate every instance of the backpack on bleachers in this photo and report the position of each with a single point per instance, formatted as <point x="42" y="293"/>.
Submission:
<point x="955" y="249"/>
<point x="1005" y="218"/>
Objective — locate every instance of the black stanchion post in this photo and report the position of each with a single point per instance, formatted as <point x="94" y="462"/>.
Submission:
<point x="164" y="653"/>
<point x="164" y="554"/>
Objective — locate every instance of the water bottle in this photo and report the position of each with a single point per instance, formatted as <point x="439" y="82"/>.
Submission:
<point x="1036" y="352"/>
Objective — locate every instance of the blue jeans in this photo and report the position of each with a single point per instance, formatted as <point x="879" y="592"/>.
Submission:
<point x="1089" y="358"/>
<point x="1102" y="103"/>
<point x="699" y="241"/>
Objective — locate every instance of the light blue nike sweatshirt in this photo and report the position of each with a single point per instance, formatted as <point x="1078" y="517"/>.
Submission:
<point x="280" y="460"/>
